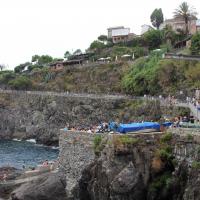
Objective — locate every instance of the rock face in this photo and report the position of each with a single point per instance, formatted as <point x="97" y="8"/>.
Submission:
<point x="45" y="188"/>
<point x="119" y="173"/>
<point x="29" y="115"/>
<point x="126" y="167"/>
<point x="147" y="170"/>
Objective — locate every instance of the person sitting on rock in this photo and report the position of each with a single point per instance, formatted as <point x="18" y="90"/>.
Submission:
<point x="5" y="177"/>
<point x="45" y="163"/>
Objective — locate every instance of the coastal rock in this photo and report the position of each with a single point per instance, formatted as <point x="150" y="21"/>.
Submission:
<point x="31" y="116"/>
<point x="48" y="187"/>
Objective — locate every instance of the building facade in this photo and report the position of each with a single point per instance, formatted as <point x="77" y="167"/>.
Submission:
<point x="179" y="24"/>
<point x="120" y="34"/>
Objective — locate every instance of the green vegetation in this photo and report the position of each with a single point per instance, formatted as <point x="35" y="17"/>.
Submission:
<point x="157" y="18"/>
<point x="189" y="136"/>
<point x="167" y="137"/>
<point x="195" y="44"/>
<point x="126" y="140"/>
<point x="196" y="165"/>
<point x="97" y="144"/>
<point x="142" y="78"/>
<point x="165" y="153"/>
<point x="20" y="83"/>
<point x="6" y="76"/>
<point x="161" y="182"/>
<point x="123" y="141"/>
<point x="154" y="76"/>
<point x="185" y="12"/>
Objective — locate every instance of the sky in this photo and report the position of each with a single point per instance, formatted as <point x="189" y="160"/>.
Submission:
<point x="51" y="27"/>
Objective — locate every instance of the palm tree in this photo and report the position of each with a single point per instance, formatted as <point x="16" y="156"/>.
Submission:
<point x="185" y="12"/>
<point x="169" y="35"/>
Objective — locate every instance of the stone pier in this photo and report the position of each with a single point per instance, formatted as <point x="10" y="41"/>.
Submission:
<point x="76" y="152"/>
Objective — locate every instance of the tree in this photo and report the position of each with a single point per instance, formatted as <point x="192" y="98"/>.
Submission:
<point x="20" y="68"/>
<point x="103" y="38"/>
<point x="35" y="58"/>
<point x="157" y="18"/>
<point x="185" y="12"/>
<point x="2" y="66"/>
<point x="21" y="82"/>
<point x="77" y="52"/>
<point x="153" y="39"/>
<point x="169" y="35"/>
<point x="96" y="45"/>
<point x="195" y="44"/>
<point x="67" y="54"/>
<point x="45" y="59"/>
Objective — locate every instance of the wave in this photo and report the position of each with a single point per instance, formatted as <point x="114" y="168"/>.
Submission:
<point x="54" y="147"/>
<point x="31" y="140"/>
<point x="18" y="140"/>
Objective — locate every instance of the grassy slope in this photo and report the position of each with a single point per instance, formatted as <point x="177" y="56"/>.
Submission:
<point x="104" y="78"/>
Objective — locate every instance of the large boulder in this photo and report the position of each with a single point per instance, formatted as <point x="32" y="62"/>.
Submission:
<point x="48" y="187"/>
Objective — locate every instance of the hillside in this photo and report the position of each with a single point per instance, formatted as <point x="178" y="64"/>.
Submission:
<point x="147" y="75"/>
<point x="93" y="78"/>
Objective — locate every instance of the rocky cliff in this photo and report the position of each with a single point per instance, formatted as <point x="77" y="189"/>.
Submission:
<point x="125" y="167"/>
<point x="31" y="115"/>
<point x="147" y="167"/>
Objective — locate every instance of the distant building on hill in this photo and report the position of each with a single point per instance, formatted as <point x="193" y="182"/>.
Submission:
<point x="77" y="59"/>
<point x="120" y="34"/>
<point x="198" y="25"/>
<point x="179" y="24"/>
<point x="145" y="28"/>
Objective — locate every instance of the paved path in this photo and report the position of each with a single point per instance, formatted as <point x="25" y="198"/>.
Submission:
<point x="65" y="94"/>
<point x="193" y="109"/>
<point x="181" y="57"/>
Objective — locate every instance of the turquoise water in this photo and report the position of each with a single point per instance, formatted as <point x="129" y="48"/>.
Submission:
<point x="19" y="153"/>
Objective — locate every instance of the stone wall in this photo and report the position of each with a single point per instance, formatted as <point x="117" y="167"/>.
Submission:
<point x="76" y="152"/>
<point x="130" y="171"/>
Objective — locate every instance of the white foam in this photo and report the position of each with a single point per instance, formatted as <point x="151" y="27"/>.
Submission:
<point x="18" y="140"/>
<point x="55" y="147"/>
<point x="31" y="140"/>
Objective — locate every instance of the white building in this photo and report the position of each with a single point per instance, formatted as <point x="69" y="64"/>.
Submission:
<point x="119" y="34"/>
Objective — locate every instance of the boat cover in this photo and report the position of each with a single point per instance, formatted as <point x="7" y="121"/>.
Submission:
<point x="124" y="128"/>
<point x="167" y="124"/>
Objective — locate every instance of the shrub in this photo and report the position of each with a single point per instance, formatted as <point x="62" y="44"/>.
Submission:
<point x="125" y="139"/>
<point x="166" y="138"/>
<point x="196" y="165"/>
<point x="161" y="182"/>
<point x="97" y="143"/>
<point x="189" y="136"/>
<point x="142" y="77"/>
<point x="165" y="153"/>
<point x="21" y="82"/>
<point x="153" y="38"/>
<point x="195" y="44"/>
<point x="6" y="76"/>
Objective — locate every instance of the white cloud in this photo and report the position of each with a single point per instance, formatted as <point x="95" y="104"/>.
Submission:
<point x="51" y="27"/>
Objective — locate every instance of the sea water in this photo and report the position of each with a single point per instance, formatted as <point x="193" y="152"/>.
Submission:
<point x="17" y="154"/>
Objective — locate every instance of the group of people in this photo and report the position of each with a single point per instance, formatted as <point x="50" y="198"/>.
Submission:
<point x="101" y="128"/>
<point x="194" y="101"/>
<point x="181" y="119"/>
